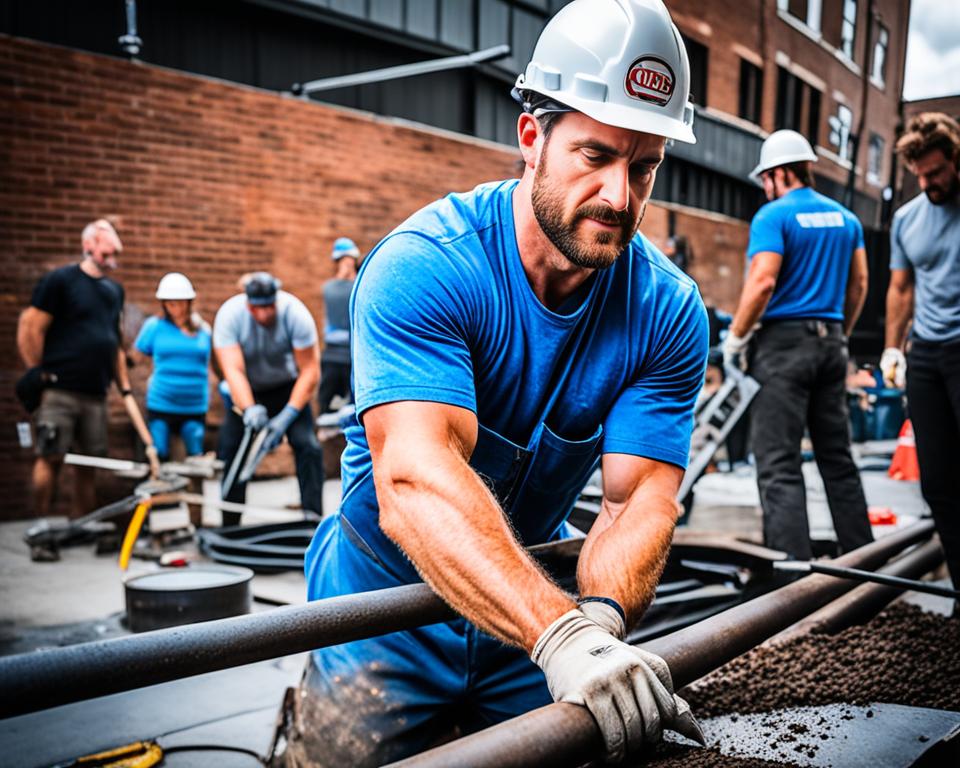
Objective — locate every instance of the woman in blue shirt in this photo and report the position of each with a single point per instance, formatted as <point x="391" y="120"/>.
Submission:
<point x="179" y="342"/>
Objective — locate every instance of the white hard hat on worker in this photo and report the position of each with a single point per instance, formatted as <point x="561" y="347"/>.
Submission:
<point x="175" y="286"/>
<point x="782" y="148"/>
<point x="620" y="62"/>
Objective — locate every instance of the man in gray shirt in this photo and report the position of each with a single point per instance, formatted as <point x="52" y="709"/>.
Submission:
<point x="265" y="341"/>
<point x="925" y="288"/>
<point x="335" y="362"/>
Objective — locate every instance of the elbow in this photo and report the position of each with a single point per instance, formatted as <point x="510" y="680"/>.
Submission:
<point x="390" y="483"/>
<point x="765" y="287"/>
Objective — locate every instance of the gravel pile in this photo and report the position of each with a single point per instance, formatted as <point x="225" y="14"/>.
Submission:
<point x="904" y="656"/>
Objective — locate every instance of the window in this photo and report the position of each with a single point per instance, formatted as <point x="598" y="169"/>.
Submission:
<point x="879" y="67"/>
<point x="875" y="159"/>
<point x="698" y="55"/>
<point x="849" y="29"/>
<point x="807" y="11"/>
<point x="751" y="91"/>
<point x="798" y="105"/>
<point x="840" y="127"/>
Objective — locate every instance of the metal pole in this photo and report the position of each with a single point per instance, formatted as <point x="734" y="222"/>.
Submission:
<point x="42" y="679"/>
<point x="858" y="574"/>
<point x="566" y="735"/>
<point x="131" y="42"/>
<point x="403" y="70"/>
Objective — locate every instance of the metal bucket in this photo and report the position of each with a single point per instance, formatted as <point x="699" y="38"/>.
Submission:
<point x="173" y="596"/>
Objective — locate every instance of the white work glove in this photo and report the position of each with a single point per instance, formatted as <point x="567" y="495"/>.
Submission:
<point x="894" y="367"/>
<point x="734" y="348"/>
<point x="255" y="417"/>
<point x="605" y="616"/>
<point x="628" y="691"/>
<point x="153" y="457"/>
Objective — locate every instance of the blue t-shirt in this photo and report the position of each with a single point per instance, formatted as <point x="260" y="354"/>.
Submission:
<point x="179" y="380"/>
<point x="442" y="312"/>
<point x="925" y="238"/>
<point x="816" y="237"/>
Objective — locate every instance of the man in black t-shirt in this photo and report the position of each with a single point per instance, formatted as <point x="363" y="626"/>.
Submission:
<point x="71" y="333"/>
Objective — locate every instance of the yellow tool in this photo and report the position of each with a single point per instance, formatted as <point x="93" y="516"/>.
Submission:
<point x="140" y="754"/>
<point x="133" y="530"/>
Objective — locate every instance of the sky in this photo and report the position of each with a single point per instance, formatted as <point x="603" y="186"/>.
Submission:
<point x="933" y="50"/>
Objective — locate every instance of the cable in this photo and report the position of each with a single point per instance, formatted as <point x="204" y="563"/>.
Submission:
<point x="214" y="748"/>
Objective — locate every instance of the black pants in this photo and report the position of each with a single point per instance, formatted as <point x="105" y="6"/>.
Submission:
<point x="303" y="440"/>
<point x="933" y="392"/>
<point x="334" y="380"/>
<point x="802" y="368"/>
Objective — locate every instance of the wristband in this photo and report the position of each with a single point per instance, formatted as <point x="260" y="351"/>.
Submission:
<point x="125" y="392"/>
<point x="606" y="601"/>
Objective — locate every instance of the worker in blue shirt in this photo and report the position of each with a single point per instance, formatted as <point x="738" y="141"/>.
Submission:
<point x="506" y="341"/>
<point x="806" y="284"/>
<point x="924" y="297"/>
<point x="178" y="342"/>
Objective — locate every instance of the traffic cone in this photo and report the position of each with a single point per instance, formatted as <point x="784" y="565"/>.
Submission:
<point x="905" y="465"/>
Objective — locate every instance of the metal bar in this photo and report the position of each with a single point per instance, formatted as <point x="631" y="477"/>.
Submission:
<point x="567" y="735"/>
<point x="102" y="462"/>
<point x="404" y="70"/>
<point x="858" y="574"/>
<point x="867" y="600"/>
<point x="43" y="679"/>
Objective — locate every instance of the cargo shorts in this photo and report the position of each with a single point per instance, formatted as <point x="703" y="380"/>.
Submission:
<point x="70" y="420"/>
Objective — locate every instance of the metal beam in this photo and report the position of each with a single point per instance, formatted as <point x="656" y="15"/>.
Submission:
<point x="403" y="70"/>
<point x="567" y="735"/>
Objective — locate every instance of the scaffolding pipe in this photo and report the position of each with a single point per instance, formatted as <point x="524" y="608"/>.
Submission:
<point x="567" y="735"/>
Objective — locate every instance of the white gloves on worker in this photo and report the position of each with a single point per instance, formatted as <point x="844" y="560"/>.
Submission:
<point x="894" y="367"/>
<point x="734" y="348"/>
<point x="628" y="691"/>
<point x="255" y="417"/>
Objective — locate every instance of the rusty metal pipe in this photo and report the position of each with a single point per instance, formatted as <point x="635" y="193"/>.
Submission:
<point x="567" y="735"/>
<point x="42" y="679"/>
<point x="860" y="605"/>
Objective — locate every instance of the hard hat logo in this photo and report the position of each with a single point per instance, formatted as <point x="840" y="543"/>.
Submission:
<point x="650" y="79"/>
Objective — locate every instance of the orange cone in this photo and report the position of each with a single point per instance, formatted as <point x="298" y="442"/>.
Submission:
<point x="905" y="465"/>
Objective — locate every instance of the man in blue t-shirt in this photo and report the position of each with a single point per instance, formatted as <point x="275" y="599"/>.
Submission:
<point x="506" y="341"/>
<point x="806" y="285"/>
<point x="925" y="288"/>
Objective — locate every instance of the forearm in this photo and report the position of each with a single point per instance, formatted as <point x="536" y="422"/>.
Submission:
<point x="30" y="346"/>
<point x="853" y="306"/>
<point x="625" y="553"/>
<point x="451" y="527"/>
<point x="899" y="314"/>
<point x="304" y="387"/>
<point x="753" y="302"/>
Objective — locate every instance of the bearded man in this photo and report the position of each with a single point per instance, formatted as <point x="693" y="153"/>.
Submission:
<point x="505" y="342"/>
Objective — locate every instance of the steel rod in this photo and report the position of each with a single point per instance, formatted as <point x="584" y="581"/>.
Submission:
<point x="567" y="735"/>
<point x="861" y="604"/>
<point x="42" y="679"/>
<point x="858" y="574"/>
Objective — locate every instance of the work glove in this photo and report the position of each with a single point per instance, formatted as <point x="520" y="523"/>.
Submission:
<point x="255" y="417"/>
<point x="894" y="367"/>
<point x="153" y="457"/>
<point x="278" y="426"/>
<point x="734" y="350"/>
<point x="604" y="616"/>
<point x="627" y="690"/>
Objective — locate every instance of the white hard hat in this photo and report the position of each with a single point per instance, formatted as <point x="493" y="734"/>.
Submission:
<point x="620" y="62"/>
<point x="173" y="286"/>
<point x="780" y="148"/>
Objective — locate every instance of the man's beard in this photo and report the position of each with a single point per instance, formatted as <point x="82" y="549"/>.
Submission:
<point x="943" y="195"/>
<point x="596" y="252"/>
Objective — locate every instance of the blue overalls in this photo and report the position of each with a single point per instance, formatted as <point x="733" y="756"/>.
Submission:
<point x="391" y="696"/>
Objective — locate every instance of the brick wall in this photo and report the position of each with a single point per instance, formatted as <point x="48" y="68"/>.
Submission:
<point x="215" y="180"/>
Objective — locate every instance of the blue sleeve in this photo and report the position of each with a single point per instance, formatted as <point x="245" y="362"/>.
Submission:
<point x="302" y="328"/>
<point x="147" y="336"/>
<point x="766" y="233"/>
<point x="898" y="259"/>
<point x="653" y="417"/>
<point x="858" y="231"/>
<point x="409" y="327"/>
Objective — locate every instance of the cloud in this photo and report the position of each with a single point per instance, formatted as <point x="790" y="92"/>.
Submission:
<point x="933" y="50"/>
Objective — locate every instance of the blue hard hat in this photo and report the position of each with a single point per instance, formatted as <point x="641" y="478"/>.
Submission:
<point x="344" y="246"/>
